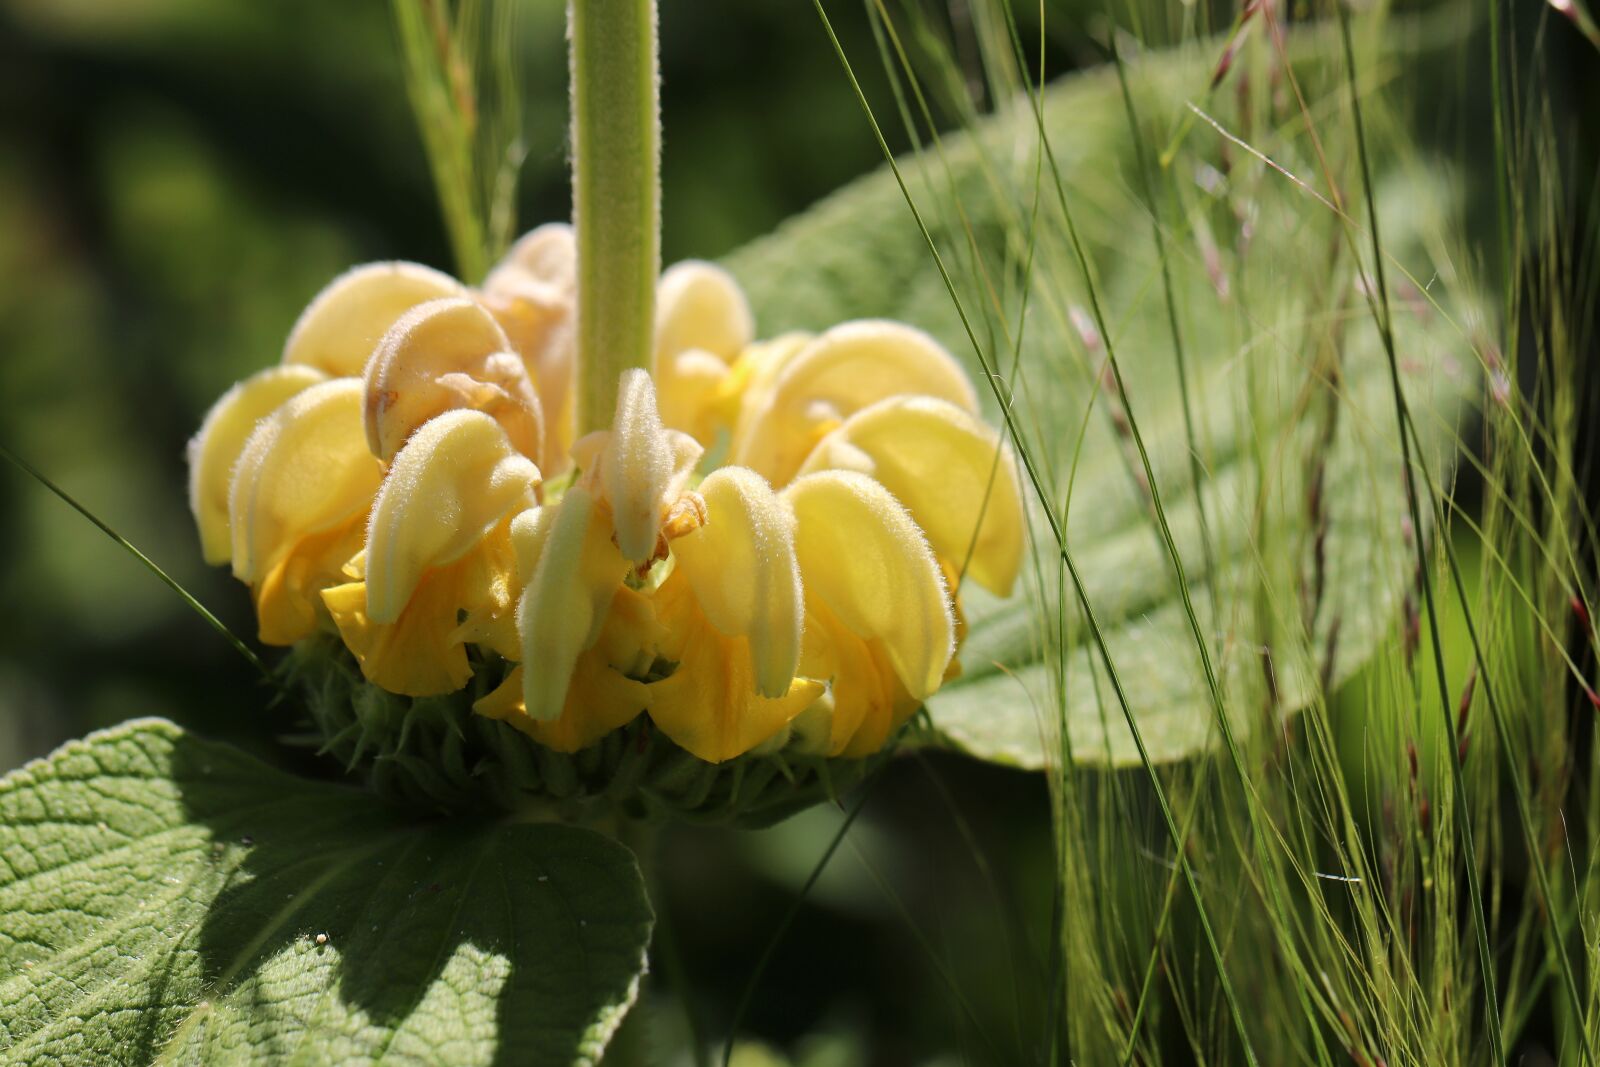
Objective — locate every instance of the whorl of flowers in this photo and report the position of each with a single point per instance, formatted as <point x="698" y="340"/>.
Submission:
<point x="761" y="552"/>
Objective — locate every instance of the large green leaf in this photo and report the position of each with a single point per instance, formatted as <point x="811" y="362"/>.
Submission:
<point x="1279" y="336"/>
<point x="165" y="899"/>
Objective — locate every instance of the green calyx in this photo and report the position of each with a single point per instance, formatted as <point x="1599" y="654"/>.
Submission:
<point x="437" y="754"/>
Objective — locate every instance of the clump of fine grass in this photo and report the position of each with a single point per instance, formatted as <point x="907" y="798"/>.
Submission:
<point x="461" y="71"/>
<point x="1383" y="853"/>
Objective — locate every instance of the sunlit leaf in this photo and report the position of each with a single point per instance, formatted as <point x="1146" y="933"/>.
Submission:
<point x="1279" y="336"/>
<point x="165" y="899"/>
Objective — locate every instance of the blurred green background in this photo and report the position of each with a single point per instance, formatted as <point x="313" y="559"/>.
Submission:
<point x="179" y="177"/>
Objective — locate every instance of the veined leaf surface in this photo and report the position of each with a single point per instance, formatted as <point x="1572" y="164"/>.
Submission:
<point x="1310" y="554"/>
<point x="165" y="899"/>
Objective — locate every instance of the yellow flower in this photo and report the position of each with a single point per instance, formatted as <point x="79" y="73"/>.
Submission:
<point x="832" y="377"/>
<point x="879" y="621"/>
<point x="947" y="468"/>
<point x="215" y="449"/>
<point x="286" y="466"/>
<point x="702" y="325"/>
<point x="437" y="542"/>
<point x="298" y="502"/>
<point x="339" y="328"/>
<point x="533" y="293"/>
<point x="726" y="611"/>
<point x="446" y="355"/>
<point x="389" y="482"/>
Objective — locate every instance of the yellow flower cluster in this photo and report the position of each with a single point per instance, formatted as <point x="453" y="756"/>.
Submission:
<point x="409" y="475"/>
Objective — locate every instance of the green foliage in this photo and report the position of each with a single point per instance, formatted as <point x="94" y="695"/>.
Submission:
<point x="464" y="80"/>
<point x="166" y="899"/>
<point x="1299" y="563"/>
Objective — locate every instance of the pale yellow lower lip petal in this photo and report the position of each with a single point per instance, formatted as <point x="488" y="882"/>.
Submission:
<point x="222" y="436"/>
<point x="417" y="655"/>
<point x="866" y="700"/>
<point x="864" y="557"/>
<point x="599" y="700"/>
<point x="709" y="705"/>
<point x="288" y="604"/>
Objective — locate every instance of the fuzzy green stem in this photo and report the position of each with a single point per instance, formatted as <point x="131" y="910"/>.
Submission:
<point x="616" y="194"/>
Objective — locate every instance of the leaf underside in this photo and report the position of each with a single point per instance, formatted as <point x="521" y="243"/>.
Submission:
<point x="165" y="899"/>
<point x="1279" y="338"/>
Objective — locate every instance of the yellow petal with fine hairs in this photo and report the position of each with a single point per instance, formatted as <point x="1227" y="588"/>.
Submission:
<point x="222" y="435"/>
<point x="448" y="487"/>
<point x="867" y="701"/>
<point x="566" y="603"/>
<point x="643" y="467"/>
<point x="445" y="355"/>
<point x="532" y="293"/>
<point x="691" y="388"/>
<point x="418" y="654"/>
<point x="709" y="705"/>
<point x="862" y="555"/>
<point x="741" y="565"/>
<point x="488" y="594"/>
<point x="287" y="595"/>
<point x="840" y="372"/>
<point x="304" y="470"/>
<point x="340" y="327"/>
<point x="541" y="267"/>
<point x="601" y="696"/>
<point x="948" y="468"/>
<point x="700" y="306"/>
<point x="529" y="530"/>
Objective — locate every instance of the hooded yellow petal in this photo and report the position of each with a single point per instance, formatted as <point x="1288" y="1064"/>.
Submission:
<point x="691" y="389"/>
<point x="446" y="355"/>
<point x="741" y="565"/>
<point x="541" y="267"/>
<point x="532" y="292"/>
<point x="565" y="604"/>
<point x="340" y="327"/>
<point x="214" y="450"/>
<point x="948" y="468"/>
<point x="305" y="470"/>
<point x="863" y="557"/>
<point x="702" y="324"/>
<point x="452" y="483"/>
<point x="643" y="468"/>
<point x="840" y="372"/>
<point x="700" y="306"/>
<point x="709" y="705"/>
